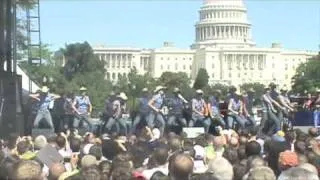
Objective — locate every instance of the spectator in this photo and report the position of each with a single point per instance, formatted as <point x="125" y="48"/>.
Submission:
<point x="221" y="168"/>
<point x="160" y="157"/>
<point x="56" y="170"/>
<point x="297" y="173"/>
<point x="28" y="170"/>
<point x="180" y="167"/>
<point x="261" y="173"/>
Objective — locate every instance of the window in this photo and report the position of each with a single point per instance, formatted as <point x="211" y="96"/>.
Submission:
<point x="161" y="67"/>
<point x="168" y="67"/>
<point x="230" y="75"/>
<point x="176" y="58"/>
<point x="190" y="58"/>
<point x="190" y="67"/>
<point x="212" y="65"/>
<point x="184" y="67"/>
<point x="212" y="75"/>
<point x="168" y="58"/>
<point x="161" y="58"/>
<point x="286" y="76"/>
<point x="108" y="76"/>
<point x="184" y="58"/>
<point x="273" y="65"/>
<point x="176" y="66"/>
<point x="286" y="66"/>
<point x="261" y="75"/>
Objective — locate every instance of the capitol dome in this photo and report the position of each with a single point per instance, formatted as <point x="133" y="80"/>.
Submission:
<point x="223" y="23"/>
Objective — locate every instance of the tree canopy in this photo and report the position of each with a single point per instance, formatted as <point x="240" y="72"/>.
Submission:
<point x="307" y="77"/>
<point x="202" y="79"/>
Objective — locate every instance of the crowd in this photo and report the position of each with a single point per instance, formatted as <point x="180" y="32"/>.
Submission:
<point x="237" y="150"/>
<point x="291" y="155"/>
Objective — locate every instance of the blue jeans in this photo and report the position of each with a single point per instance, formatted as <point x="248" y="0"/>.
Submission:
<point x="119" y="123"/>
<point x="201" y="121"/>
<point x="219" y="119"/>
<point x="137" y="120"/>
<point x="239" y="120"/>
<point x="43" y="114"/>
<point x="316" y="118"/>
<point x="251" y="120"/>
<point x="275" y="121"/>
<point x="177" y="120"/>
<point x="154" y="118"/>
<point x="82" y="118"/>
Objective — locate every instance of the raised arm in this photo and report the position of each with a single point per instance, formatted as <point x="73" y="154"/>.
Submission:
<point x="35" y="96"/>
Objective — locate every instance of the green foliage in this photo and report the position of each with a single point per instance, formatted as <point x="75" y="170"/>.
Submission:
<point x="307" y="77"/>
<point x="202" y="79"/>
<point x="257" y="87"/>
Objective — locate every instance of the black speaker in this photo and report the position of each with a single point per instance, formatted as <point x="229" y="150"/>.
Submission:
<point x="11" y="116"/>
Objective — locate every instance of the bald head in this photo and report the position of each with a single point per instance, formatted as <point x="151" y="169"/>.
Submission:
<point x="313" y="132"/>
<point x="181" y="166"/>
<point x="56" y="170"/>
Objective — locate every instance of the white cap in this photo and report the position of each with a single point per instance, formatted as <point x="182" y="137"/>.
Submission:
<point x="158" y="88"/>
<point x="199" y="91"/>
<point x="123" y="96"/>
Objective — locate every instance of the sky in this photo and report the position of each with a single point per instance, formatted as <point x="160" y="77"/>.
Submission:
<point x="148" y="23"/>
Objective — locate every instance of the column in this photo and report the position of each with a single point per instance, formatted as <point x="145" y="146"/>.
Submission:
<point x="204" y="33"/>
<point x="220" y="32"/>
<point x="197" y="34"/>
<point x="229" y="32"/>
<point x="215" y="32"/>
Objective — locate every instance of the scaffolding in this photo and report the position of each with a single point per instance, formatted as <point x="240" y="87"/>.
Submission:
<point x="33" y="35"/>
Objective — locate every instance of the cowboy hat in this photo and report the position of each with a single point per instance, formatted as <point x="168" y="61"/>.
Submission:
<point x="176" y="90"/>
<point x="284" y="89"/>
<point x="251" y="90"/>
<point x="145" y="90"/>
<point x="199" y="91"/>
<point x="158" y="88"/>
<point x="83" y="88"/>
<point x="44" y="89"/>
<point x="123" y="96"/>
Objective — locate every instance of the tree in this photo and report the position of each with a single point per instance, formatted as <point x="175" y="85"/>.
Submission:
<point x="307" y="77"/>
<point x="257" y="87"/>
<point x="202" y="79"/>
<point x="80" y="59"/>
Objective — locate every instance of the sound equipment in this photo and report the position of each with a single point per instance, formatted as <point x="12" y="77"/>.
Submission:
<point x="11" y="120"/>
<point x="45" y="132"/>
<point x="193" y="132"/>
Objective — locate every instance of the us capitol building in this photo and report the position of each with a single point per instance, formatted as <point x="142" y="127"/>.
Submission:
<point x="223" y="46"/>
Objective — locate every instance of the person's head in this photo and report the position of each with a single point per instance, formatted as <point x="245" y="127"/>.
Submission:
<point x="231" y="155"/>
<point x="239" y="171"/>
<point x="233" y="142"/>
<point x="105" y="168"/>
<point x="233" y="90"/>
<point x="56" y="170"/>
<point x="175" y="144"/>
<point x="122" y="173"/>
<point x="261" y="173"/>
<point x="158" y="175"/>
<point x="287" y="159"/>
<point x="221" y="168"/>
<point x="284" y="91"/>
<point x="22" y="147"/>
<point x="96" y="151"/>
<point x="255" y="161"/>
<point x="145" y="91"/>
<point x="267" y="90"/>
<point x="83" y="90"/>
<point x="302" y="158"/>
<point x="88" y="160"/>
<point x="160" y="155"/>
<point x="272" y="86"/>
<point x="75" y="144"/>
<point x="91" y="173"/>
<point x="180" y="166"/>
<point x="300" y="147"/>
<point x="123" y="97"/>
<point x="123" y="160"/>
<point x="159" y="90"/>
<point x="309" y="167"/>
<point x="28" y="170"/>
<point x="243" y="140"/>
<point x="176" y="91"/>
<point x="253" y="148"/>
<point x="39" y="142"/>
<point x="297" y="173"/>
<point x="313" y="132"/>
<point x="61" y="141"/>
<point x="199" y="93"/>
